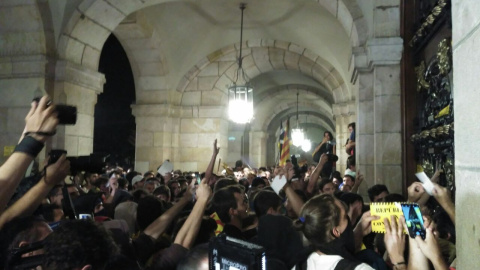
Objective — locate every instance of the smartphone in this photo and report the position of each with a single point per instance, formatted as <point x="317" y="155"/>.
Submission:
<point x="197" y="176"/>
<point x="413" y="219"/>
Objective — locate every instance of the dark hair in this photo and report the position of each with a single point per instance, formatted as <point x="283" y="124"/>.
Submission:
<point x="352" y="125"/>
<point x="323" y="183"/>
<point x="351" y="177"/>
<point x="224" y="199"/>
<point x="224" y="182"/>
<point x="48" y="211"/>
<point x="100" y="181"/>
<point x="77" y="243"/>
<point x="394" y="197"/>
<point x="54" y="191"/>
<point x="320" y="215"/>
<point x="138" y="194"/>
<point x="162" y="190"/>
<point x="194" y="258"/>
<point x="18" y="230"/>
<point x="350" y="161"/>
<point x="148" y="173"/>
<point x="265" y="199"/>
<point x="329" y="134"/>
<point x="122" y="182"/>
<point x="445" y="226"/>
<point x="238" y="163"/>
<point x="350" y="198"/>
<point x="375" y="190"/>
<point x="149" y="209"/>
<point x="257" y="181"/>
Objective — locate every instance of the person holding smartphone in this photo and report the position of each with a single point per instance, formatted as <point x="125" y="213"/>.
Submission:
<point x="327" y="146"/>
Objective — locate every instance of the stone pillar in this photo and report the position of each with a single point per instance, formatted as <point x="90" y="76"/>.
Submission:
<point x="77" y="86"/>
<point x="157" y="135"/>
<point x="21" y="79"/>
<point x="258" y="149"/>
<point x="379" y="143"/>
<point x="467" y="151"/>
<point x="182" y="134"/>
<point x="344" y="114"/>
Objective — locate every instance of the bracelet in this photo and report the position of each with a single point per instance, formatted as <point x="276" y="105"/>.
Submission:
<point x="399" y="263"/>
<point x="29" y="146"/>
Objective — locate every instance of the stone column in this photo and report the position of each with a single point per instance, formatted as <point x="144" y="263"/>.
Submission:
<point x="258" y="149"/>
<point x="344" y="114"/>
<point x="157" y="135"/>
<point x="21" y="79"/>
<point x="77" y="86"/>
<point x="379" y="114"/>
<point x="182" y="134"/>
<point x="467" y="150"/>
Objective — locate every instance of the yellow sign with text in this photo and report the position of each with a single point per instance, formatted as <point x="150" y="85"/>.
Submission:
<point x="384" y="210"/>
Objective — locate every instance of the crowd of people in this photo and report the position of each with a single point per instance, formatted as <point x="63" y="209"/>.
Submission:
<point x="123" y="219"/>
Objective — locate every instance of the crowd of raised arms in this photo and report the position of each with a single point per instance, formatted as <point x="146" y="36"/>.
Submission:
<point x="304" y="216"/>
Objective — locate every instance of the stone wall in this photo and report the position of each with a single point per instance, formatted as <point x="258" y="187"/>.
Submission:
<point x="466" y="35"/>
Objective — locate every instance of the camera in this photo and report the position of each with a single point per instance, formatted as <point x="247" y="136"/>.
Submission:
<point x="67" y="115"/>
<point x="332" y="158"/>
<point x="298" y="170"/>
<point x="93" y="163"/>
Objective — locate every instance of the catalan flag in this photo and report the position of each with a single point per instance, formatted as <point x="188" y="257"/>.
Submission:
<point x="285" y="153"/>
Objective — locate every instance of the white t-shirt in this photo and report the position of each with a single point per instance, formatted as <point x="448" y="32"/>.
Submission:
<point x="328" y="262"/>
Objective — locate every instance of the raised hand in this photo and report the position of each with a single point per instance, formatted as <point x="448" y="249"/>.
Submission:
<point x="57" y="172"/>
<point x="216" y="149"/>
<point x="203" y="190"/>
<point x="430" y="249"/>
<point x="416" y="192"/>
<point x="395" y="238"/>
<point x="41" y="119"/>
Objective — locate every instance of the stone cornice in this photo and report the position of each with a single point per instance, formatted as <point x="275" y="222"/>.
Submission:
<point x="378" y="51"/>
<point x="344" y="109"/>
<point x="23" y="66"/>
<point x="79" y="75"/>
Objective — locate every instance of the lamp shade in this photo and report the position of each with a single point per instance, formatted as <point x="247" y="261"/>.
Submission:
<point x="240" y="104"/>
<point x="297" y="136"/>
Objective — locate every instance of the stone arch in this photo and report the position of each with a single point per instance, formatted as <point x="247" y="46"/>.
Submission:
<point x="93" y="20"/>
<point x="144" y="50"/>
<point x="262" y="56"/>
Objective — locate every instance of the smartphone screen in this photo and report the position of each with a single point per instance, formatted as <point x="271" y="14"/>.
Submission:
<point x="414" y="220"/>
<point x="197" y="176"/>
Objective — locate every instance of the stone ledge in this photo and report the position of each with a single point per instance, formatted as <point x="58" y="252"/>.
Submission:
<point x="23" y="66"/>
<point x="79" y="75"/>
<point x="378" y="51"/>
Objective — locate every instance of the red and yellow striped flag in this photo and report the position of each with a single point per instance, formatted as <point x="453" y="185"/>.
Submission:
<point x="284" y="155"/>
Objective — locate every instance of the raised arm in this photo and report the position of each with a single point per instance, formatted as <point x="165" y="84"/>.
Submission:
<point x="41" y="122"/>
<point x="188" y="233"/>
<point x="324" y="141"/>
<point x="162" y="222"/>
<point x="442" y="196"/>
<point x="429" y="247"/>
<point x="27" y="204"/>
<point x="358" y="182"/>
<point x="395" y="242"/>
<point x="209" y="171"/>
<point x="316" y="174"/>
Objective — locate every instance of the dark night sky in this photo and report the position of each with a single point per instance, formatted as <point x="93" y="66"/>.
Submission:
<point x="114" y="122"/>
